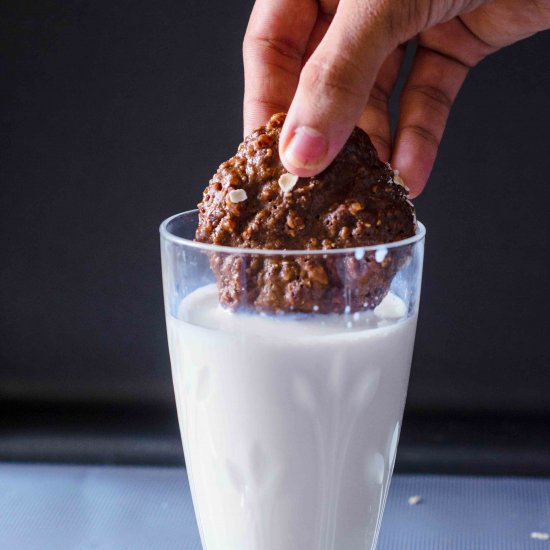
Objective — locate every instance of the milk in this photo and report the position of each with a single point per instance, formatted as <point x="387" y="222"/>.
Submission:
<point x="289" y="424"/>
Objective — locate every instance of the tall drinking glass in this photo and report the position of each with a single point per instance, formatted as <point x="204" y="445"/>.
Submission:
<point x="289" y="422"/>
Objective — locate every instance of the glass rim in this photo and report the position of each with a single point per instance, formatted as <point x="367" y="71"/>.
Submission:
<point x="167" y="235"/>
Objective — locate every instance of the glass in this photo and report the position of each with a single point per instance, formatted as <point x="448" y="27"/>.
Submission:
<point x="289" y="422"/>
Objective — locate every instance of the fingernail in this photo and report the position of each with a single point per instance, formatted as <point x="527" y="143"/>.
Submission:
<point x="307" y="148"/>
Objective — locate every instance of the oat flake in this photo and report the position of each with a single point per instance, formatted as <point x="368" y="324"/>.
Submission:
<point x="287" y="182"/>
<point x="237" y="195"/>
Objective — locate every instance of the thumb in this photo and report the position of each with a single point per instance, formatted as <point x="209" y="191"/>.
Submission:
<point x="335" y="84"/>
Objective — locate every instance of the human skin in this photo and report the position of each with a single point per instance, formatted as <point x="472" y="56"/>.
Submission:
<point x="332" y="64"/>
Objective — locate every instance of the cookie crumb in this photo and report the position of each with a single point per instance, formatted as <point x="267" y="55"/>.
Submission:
<point x="359" y="253"/>
<point x="287" y="182"/>
<point x="414" y="500"/>
<point x="537" y="535"/>
<point x="380" y="254"/>
<point x="399" y="180"/>
<point x="237" y="195"/>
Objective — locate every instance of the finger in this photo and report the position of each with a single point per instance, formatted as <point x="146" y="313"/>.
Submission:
<point x="445" y="54"/>
<point x="499" y="24"/>
<point x="430" y="90"/>
<point x="375" y="119"/>
<point x="334" y="85"/>
<point x="325" y="15"/>
<point x="273" y="48"/>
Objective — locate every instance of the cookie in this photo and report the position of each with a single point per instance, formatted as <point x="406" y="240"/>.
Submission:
<point x="253" y="203"/>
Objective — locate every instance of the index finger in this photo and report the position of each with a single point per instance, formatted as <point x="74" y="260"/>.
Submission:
<point x="273" y="49"/>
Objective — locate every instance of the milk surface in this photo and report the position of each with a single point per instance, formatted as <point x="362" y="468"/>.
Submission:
<point x="289" y="425"/>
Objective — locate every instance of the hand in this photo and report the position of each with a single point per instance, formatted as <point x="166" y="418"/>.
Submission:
<point x="332" y="64"/>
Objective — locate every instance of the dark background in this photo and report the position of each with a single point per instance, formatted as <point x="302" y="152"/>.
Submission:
<point x="114" y="116"/>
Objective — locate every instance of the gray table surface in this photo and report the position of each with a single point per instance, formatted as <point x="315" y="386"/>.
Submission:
<point x="48" y="507"/>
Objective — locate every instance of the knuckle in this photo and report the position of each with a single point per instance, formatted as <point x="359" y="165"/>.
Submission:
<point x="338" y="76"/>
<point x="390" y="18"/>
<point x="379" y="94"/>
<point x="282" y="48"/>
<point x="379" y="100"/>
<point x="261" y="103"/>
<point x="424" y="134"/>
<point x="268" y="47"/>
<point x="381" y="143"/>
<point x="432" y="95"/>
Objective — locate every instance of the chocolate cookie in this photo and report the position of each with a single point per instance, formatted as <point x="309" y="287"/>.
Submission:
<point x="252" y="202"/>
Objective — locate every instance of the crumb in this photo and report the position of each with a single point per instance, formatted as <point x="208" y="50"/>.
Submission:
<point x="237" y="195"/>
<point x="287" y="182"/>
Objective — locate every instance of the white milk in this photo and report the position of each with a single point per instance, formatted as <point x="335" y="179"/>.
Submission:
<point x="289" y="426"/>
